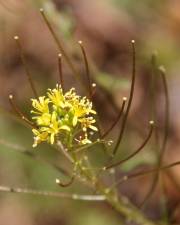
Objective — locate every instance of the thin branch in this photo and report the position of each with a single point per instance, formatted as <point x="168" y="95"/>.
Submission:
<point x="117" y="119"/>
<point x="152" y="92"/>
<point x="87" y="69"/>
<point x="164" y="143"/>
<point x="130" y="98"/>
<point x="155" y="170"/>
<point x="53" y="194"/>
<point x="135" y="152"/>
<point x="13" y="146"/>
<point x="60" y="71"/>
<point x="67" y="184"/>
<point x="16" y="38"/>
<point x="81" y="148"/>
<point x="19" y="113"/>
<point x="63" y="150"/>
<point x="62" y="50"/>
<point x="72" y="178"/>
<point x="13" y="116"/>
<point x="154" y="116"/>
<point x="166" y="120"/>
<point x="144" y="173"/>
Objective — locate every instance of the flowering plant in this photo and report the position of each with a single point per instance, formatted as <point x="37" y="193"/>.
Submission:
<point x="66" y="120"/>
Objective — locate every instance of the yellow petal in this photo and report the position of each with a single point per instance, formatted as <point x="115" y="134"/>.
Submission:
<point x="75" y="120"/>
<point x="43" y="136"/>
<point x="65" y="127"/>
<point x="92" y="111"/>
<point x="36" y="132"/>
<point x="52" y="139"/>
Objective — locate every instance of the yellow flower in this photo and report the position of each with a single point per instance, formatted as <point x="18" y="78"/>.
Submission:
<point x="39" y="137"/>
<point x="56" y="96"/>
<point x="44" y="119"/>
<point x="40" y="105"/>
<point x="87" y="123"/>
<point x="59" y="116"/>
<point x="54" y="128"/>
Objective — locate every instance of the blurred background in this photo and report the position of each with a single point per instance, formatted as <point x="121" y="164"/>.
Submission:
<point x="106" y="28"/>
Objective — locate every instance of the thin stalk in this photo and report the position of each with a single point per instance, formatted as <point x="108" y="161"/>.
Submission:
<point x="16" y="38"/>
<point x="90" y="89"/>
<point x="71" y="159"/>
<point x="60" y="71"/>
<point x="166" y="120"/>
<point x="53" y="194"/>
<point x="165" y="136"/>
<point x="153" y="113"/>
<point x="116" y="120"/>
<point x="10" y="114"/>
<point x="67" y="184"/>
<point x="130" y="98"/>
<point x="61" y="148"/>
<point x="72" y="178"/>
<point x="83" y="148"/>
<point x="61" y="48"/>
<point x="143" y="173"/>
<point x="19" y="113"/>
<point x="164" y="143"/>
<point x="135" y="152"/>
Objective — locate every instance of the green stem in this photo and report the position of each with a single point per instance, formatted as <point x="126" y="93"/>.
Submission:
<point x="120" y="204"/>
<point x="129" y="211"/>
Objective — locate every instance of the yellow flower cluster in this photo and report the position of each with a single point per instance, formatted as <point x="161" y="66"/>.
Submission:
<point x="62" y="116"/>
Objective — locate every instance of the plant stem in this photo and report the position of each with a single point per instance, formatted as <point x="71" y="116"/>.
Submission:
<point x="120" y="203"/>
<point x="130" y="212"/>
